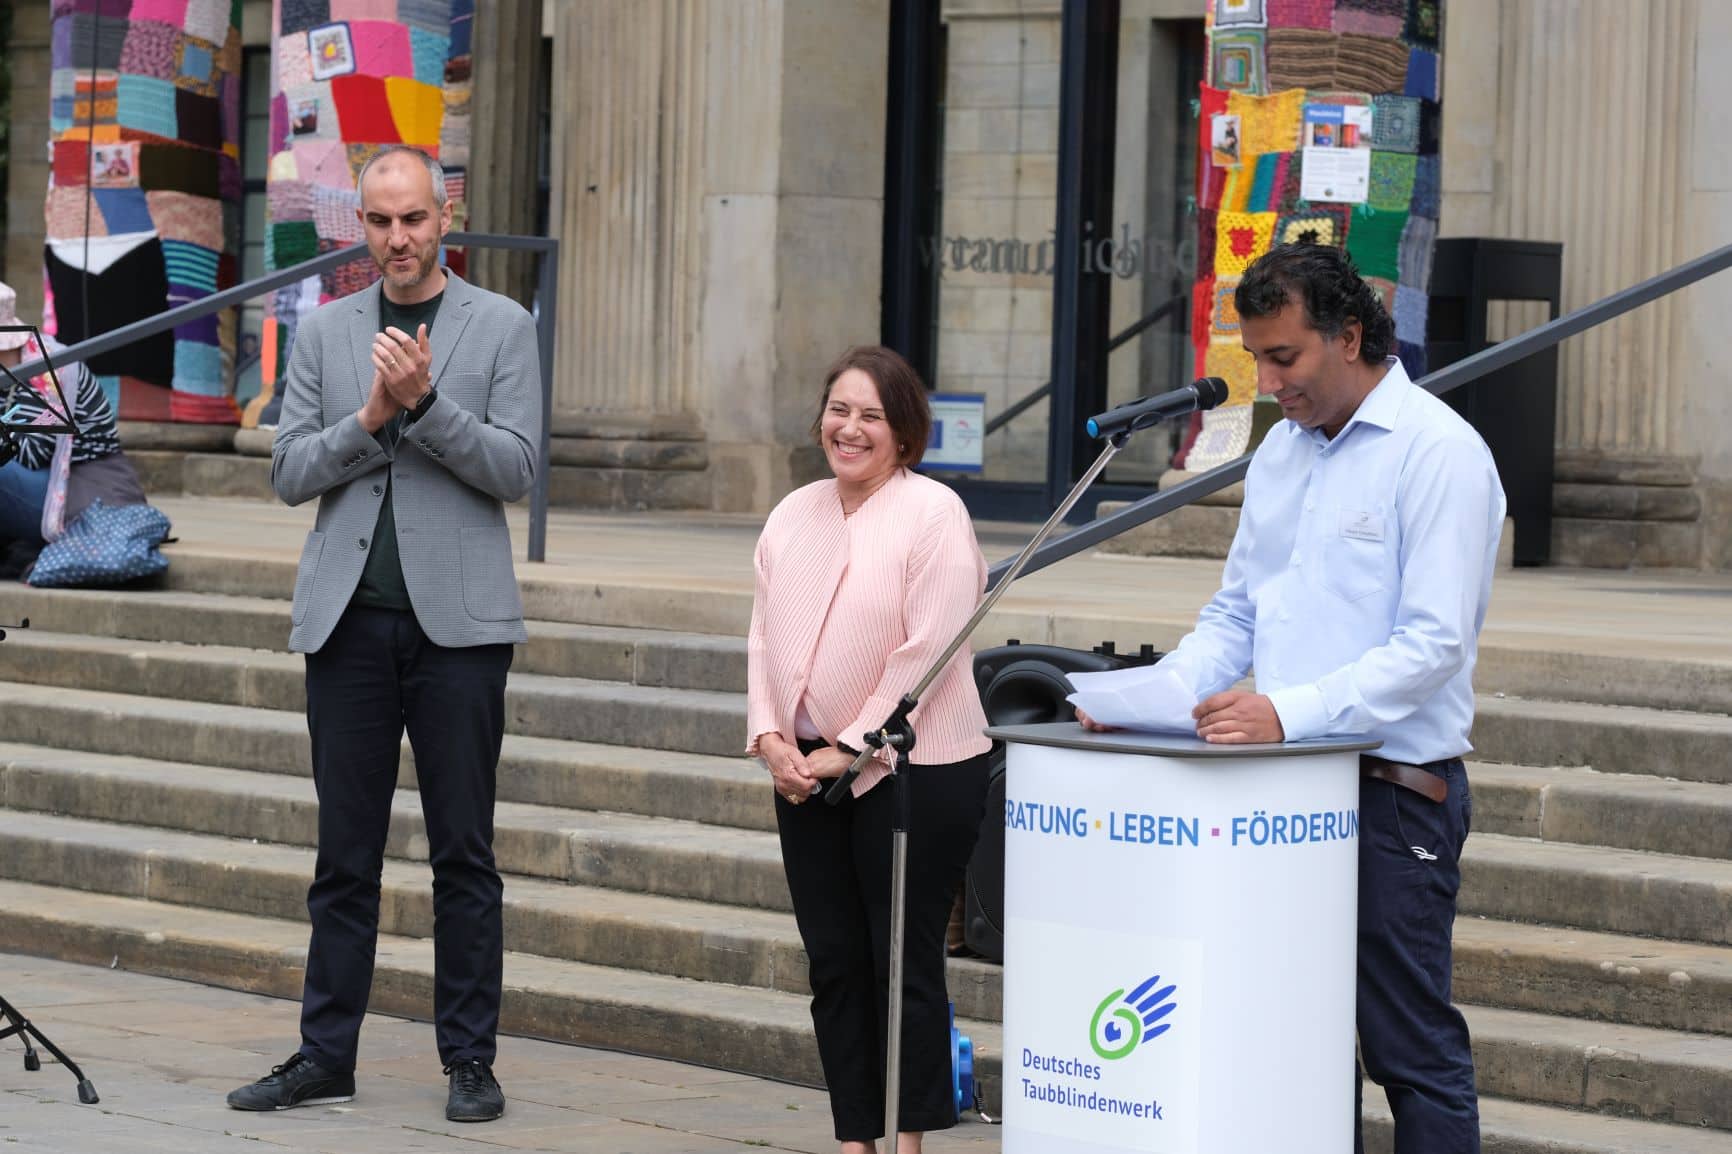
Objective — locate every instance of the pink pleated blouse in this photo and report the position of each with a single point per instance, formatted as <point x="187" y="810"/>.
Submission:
<point x="851" y="611"/>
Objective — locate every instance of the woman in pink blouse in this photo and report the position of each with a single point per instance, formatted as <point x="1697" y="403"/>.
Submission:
<point x="862" y="579"/>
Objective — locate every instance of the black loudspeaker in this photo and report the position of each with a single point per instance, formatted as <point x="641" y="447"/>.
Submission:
<point x="1019" y="685"/>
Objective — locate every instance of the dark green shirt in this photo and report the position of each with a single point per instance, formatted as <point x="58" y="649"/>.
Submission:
<point x="381" y="584"/>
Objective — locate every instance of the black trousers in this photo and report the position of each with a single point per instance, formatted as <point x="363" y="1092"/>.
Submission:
<point x="1413" y="1041"/>
<point x="838" y="864"/>
<point x="377" y="675"/>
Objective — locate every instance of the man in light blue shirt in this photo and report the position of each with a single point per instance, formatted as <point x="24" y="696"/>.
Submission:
<point x="1356" y="587"/>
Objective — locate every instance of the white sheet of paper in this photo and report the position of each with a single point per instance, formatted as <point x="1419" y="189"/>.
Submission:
<point x="1336" y="175"/>
<point x="1147" y="698"/>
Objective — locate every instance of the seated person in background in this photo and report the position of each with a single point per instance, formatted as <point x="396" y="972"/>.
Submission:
<point x="98" y="470"/>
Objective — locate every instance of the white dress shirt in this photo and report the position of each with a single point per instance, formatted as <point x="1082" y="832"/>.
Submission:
<point x="1358" y="579"/>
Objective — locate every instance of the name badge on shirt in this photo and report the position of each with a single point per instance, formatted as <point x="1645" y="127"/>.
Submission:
<point x="1362" y="526"/>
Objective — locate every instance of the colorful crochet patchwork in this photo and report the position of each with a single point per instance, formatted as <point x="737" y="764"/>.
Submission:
<point x="382" y="48"/>
<point x="1370" y="17"/>
<point x="1268" y="123"/>
<point x="1318" y="224"/>
<point x="1374" y="242"/>
<point x="1391" y="181"/>
<point x="1427" y="186"/>
<point x="1230" y="361"/>
<point x="1224" y="315"/>
<point x="164" y="113"/>
<point x="1236" y="61"/>
<point x="150" y="50"/>
<point x="1424" y="22"/>
<point x="363" y="9"/>
<point x="1238" y="13"/>
<point x="377" y="72"/>
<point x="1301" y="58"/>
<point x="1287" y="14"/>
<point x="1410" y="313"/>
<point x="1418" y="243"/>
<point x="1395" y="123"/>
<point x="1421" y="74"/>
<point x="1371" y="64"/>
<point x="1243" y="237"/>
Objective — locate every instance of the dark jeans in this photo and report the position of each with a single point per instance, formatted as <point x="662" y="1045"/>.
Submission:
<point x="376" y="675"/>
<point x="22" y="493"/>
<point x="838" y="863"/>
<point x="1413" y="1042"/>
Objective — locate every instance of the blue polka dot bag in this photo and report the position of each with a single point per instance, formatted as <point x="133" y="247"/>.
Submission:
<point x="104" y="546"/>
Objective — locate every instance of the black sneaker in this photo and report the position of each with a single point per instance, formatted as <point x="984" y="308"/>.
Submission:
<point x="298" y="1082"/>
<point x="475" y="1094"/>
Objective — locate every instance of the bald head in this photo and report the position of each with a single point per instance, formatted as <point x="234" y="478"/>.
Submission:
<point x="402" y="155"/>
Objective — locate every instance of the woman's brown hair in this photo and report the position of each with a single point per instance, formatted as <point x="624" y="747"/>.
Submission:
<point x="900" y="391"/>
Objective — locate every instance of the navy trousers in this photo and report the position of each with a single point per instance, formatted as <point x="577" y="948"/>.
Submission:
<point x="1413" y="1041"/>
<point x="377" y="675"/>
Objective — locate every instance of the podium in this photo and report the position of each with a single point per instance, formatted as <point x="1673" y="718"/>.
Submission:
<point x="1179" y="946"/>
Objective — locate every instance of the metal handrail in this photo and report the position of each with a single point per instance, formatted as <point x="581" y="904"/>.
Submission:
<point x="1034" y="398"/>
<point x="1467" y="369"/>
<point x="546" y="307"/>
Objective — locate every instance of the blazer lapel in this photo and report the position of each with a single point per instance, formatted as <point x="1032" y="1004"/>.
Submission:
<point x="448" y="325"/>
<point x="363" y="327"/>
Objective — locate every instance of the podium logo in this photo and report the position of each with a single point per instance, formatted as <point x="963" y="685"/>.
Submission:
<point x="1122" y="1021"/>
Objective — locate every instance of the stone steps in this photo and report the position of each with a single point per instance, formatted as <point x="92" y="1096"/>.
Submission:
<point x="657" y="714"/>
<point x="1621" y="1070"/>
<point x="154" y="734"/>
<point x="537" y="705"/>
<point x="1497" y="963"/>
<point x="1527" y="1128"/>
<point x="755" y="1031"/>
<point x="727" y="791"/>
<point x="1586" y="886"/>
<point x="562" y="649"/>
<point x="1512" y="664"/>
<point x="1627" y="811"/>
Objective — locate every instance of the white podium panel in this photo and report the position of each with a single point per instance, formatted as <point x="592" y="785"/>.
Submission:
<point x="1179" y="944"/>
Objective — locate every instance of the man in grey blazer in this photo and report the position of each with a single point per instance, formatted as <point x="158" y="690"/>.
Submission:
<point x="412" y="412"/>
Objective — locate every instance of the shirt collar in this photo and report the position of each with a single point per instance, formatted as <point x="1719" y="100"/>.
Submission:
<point x="1381" y="406"/>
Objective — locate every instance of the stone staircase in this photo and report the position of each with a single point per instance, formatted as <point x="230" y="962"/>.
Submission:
<point x="156" y="813"/>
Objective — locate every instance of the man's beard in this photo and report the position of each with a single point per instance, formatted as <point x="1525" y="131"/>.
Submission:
<point x="422" y="270"/>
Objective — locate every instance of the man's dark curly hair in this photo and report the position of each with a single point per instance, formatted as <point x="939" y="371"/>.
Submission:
<point x="1333" y="292"/>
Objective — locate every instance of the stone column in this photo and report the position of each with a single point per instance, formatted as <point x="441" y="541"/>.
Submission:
<point x="502" y="158"/>
<point x="1700" y="361"/>
<point x="718" y="192"/>
<point x="1575" y="121"/>
<point x="27" y="167"/>
<point x="793" y="226"/>
<point x="628" y="137"/>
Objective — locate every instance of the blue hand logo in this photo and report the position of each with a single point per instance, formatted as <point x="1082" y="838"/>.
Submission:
<point x="1131" y="1019"/>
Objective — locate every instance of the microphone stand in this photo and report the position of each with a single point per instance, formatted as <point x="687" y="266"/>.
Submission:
<point x="897" y="734"/>
<point x="17" y="1024"/>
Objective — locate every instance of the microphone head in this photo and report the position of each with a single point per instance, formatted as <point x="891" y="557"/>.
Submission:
<point x="1211" y="391"/>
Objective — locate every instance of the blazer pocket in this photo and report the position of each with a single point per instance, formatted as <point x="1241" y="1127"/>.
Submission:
<point x="304" y="576"/>
<point x="468" y="388"/>
<point x="489" y="581"/>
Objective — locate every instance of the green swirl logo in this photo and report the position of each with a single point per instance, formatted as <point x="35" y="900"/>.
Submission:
<point x="1123" y="1021"/>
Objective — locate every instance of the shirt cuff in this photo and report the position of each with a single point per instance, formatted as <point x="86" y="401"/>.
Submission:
<point x="1301" y="710"/>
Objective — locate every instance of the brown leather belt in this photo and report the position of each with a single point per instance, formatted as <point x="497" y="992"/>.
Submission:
<point x="1417" y="778"/>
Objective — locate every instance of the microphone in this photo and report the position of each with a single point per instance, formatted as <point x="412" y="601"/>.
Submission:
<point x="1204" y="393"/>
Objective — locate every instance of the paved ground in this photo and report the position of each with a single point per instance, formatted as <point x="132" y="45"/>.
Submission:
<point x="163" y="1053"/>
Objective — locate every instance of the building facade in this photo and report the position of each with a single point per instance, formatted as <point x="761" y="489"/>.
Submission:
<point x="723" y="175"/>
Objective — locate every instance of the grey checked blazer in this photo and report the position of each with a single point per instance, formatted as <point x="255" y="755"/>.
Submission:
<point x="450" y="474"/>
